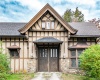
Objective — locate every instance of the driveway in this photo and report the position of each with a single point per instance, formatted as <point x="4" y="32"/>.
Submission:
<point x="47" y="76"/>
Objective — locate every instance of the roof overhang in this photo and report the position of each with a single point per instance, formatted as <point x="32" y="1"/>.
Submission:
<point x="95" y="36"/>
<point x="13" y="47"/>
<point x="47" y="7"/>
<point x="13" y="36"/>
<point x="48" y="40"/>
<point x="79" y="46"/>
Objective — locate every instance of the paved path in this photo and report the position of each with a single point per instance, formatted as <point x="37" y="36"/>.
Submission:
<point x="47" y="76"/>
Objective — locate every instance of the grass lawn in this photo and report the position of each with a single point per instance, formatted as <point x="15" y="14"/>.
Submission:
<point x="20" y="76"/>
<point x="72" y="77"/>
<point x="76" y="77"/>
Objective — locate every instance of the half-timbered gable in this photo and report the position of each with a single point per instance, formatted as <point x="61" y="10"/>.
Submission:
<point x="47" y="22"/>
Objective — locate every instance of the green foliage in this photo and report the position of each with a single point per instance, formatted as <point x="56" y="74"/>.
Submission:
<point x="73" y="16"/>
<point x="3" y="63"/>
<point x="4" y="68"/>
<point x="90" y="61"/>
<point x="88" y="78"/>
<point x="78" y="15"/>
<point x="3" y="76"/>
<point x="20" y="76"/>
<point x="67" y="15"/>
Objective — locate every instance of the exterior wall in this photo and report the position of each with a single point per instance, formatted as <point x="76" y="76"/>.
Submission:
<point x="28" y="61"/>
<point x="73" y="41"/>
<point x="59" y="33"/>
<point x="17" y="64"/>
<point x="28" y="48"/>
<point x="98" y="41"/>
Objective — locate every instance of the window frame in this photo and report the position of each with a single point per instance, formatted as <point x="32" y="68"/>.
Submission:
<point x="81" y="39"/>
<point x="75" y="57"/>
<point x="48" y="26"/>
<point x="17" y="50"/>
<point x="51" y="28"/>
<point x="44" y="24"/>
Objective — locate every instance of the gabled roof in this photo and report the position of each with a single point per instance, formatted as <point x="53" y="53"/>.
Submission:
<point x="47" y="7"/>
<point x="85" y="29"/>
<point x="48" y="40"/>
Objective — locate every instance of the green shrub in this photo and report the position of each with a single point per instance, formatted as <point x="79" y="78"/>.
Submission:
<point x="90" y="62"/>
<point x="4" y="65"/>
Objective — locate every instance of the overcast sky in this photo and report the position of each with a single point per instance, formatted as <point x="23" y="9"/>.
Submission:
<point x="24" y="10"/>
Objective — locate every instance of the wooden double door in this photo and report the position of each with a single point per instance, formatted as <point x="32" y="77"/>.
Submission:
<point x="48" y="59"/>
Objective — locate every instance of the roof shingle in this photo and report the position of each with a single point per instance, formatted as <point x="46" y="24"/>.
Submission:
<point x="48" y="40"/>
<point x="85" y="29"/>
<point x="10" y="29"/>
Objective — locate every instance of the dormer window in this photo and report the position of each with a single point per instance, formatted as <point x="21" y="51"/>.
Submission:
<point x="47" y="25"/>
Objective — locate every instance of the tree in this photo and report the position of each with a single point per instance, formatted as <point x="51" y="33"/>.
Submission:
<point x="67" y="15"/>
<point x="96" y="22"/>
<point x="73" y="16"/>
<point x="78" y="15"/>
<point x="90" y="61"/>
<point x="4" y="65"/>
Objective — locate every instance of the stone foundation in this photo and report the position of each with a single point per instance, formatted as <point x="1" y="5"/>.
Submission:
<point x="31" y="65"/>
<point x="64" y="65"/>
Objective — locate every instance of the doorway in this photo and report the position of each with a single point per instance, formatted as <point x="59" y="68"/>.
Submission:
<point x="48" y="59"/>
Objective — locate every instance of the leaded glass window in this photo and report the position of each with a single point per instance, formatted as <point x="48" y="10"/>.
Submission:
<point x="74" y="56"/>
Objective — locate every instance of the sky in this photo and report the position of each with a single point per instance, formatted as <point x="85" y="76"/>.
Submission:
<point x="25" y="10"/>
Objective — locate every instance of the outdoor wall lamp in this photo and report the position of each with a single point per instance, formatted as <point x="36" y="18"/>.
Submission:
<point x="32" y="56"/>
<point x="64" y="56"/>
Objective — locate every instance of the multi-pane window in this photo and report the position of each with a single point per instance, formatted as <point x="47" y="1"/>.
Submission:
<point x="14" y="53"/>
<point x="81" y="39"/>
<point x="43" y="24"/>
<point x="47" y="25"/>
<point x="53" y="53"/>
<point x="43" y="52"/>
<point x="74" y="57"/>
<point x="52" y="25"/>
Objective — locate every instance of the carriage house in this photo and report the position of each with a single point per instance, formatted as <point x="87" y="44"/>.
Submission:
<point x="46" y="43"/>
